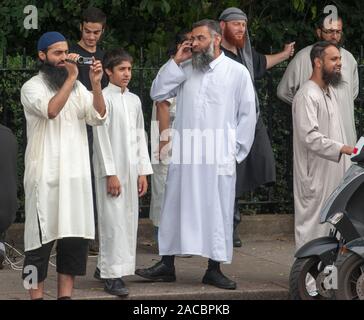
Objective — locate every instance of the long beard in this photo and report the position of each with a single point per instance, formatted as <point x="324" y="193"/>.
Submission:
<point x="201" y="60"/>
<point x="230" y="37"/>
<point x="331" y="78"/>
<point x="54" y="76"/>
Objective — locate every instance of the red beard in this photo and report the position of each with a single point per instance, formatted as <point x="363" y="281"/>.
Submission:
<point x="232" y="39"/>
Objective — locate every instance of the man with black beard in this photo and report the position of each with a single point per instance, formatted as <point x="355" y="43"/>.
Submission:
<point x="57" y="179"/>
<point x="214" y="127"/>
<point x="259" y="167"/>
<point x="319" y="142"/>
<point x="329" y="28"/>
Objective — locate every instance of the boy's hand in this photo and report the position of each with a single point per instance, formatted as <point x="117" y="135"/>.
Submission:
<point x="113" y="186"/>
<point x="142" y="185"/>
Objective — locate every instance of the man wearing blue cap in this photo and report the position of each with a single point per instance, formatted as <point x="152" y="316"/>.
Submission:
<point x="57" y="180"/>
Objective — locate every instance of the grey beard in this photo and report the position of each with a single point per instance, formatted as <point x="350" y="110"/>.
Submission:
<point x="201" y="60"/>
<point x="334" y="79"/>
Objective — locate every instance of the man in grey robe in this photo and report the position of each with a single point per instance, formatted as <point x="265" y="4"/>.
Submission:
<point x="319" y="142"/>
<point x="214" y="127"/>
<point x="299" y="71"/>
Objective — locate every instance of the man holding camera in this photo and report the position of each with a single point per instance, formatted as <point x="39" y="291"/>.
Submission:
<point x="92" y="26"/>
<point x="57" y="179"/>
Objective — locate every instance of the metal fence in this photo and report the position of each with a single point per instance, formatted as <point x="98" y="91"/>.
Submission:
<point x="276" y="115"/>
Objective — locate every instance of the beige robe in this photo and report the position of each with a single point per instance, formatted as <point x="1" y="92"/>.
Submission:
<point x="299" y="71"/>
<point x="318" y="136"/>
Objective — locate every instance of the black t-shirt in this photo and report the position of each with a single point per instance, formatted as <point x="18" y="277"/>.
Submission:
<point x="83" y="75"/>
<point x="259" y="62"/>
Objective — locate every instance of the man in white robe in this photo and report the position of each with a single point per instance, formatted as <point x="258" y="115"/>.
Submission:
<point x="215" y="106"/>
<point x="299" y="71"/>
<point x="121" y="163"/>
<point x="319" y="143"/>
<point x="57" y="180"/>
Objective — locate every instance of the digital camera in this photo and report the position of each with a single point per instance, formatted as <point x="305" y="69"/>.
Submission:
<point x="84" y="60"/>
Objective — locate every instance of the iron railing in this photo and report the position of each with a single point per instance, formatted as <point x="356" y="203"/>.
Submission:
<point x="276" y="115"/>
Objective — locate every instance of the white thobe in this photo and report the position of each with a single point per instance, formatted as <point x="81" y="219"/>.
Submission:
<point x="318" y="167"/>
<point x="57" y="180"/>
<point x="160" y="168"/>
<point x="197" y="213"/>
<point x="299" y="71"/>
<point x="120" y="149"/>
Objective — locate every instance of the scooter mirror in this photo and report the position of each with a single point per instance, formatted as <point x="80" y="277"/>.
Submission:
<point x="358" y="153"/>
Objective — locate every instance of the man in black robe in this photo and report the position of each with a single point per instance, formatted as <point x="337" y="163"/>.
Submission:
<point x="259" y="167"/>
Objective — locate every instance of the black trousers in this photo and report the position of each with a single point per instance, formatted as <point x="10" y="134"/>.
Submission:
<point x="237" y="217"/>
<point x="71" y="258"/>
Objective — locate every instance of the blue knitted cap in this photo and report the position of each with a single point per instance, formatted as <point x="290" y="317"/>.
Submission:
<point x="49" y="38"/>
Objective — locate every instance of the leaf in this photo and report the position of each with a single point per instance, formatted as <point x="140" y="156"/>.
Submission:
<point x="166" y="6"/>
<point x="150" y="7"/>
<point x="143" y="5"/>
<point x="314" y="11"/>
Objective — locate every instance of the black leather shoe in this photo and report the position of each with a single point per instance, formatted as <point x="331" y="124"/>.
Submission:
<point x="159" y="272"/>
<point x="217" y="279"/>
<point x="97" y="274"/>
<point x="236" y="239"/>
<point x="115" y="287"/>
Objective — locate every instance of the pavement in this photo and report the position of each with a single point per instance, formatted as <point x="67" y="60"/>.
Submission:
<point x="260" y="267"/>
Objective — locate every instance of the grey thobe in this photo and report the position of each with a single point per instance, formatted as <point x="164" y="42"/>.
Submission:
<point x="318" y="167"/>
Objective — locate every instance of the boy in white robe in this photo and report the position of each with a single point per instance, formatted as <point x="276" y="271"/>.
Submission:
<point x="121" y="163"/>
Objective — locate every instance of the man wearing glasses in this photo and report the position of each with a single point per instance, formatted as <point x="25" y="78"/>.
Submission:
<point x="299" y="71"/>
